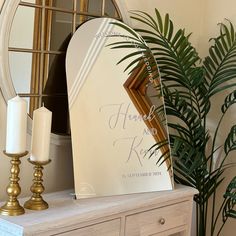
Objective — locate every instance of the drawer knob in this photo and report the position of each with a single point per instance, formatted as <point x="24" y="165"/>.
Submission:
<point x="162" y="221"/>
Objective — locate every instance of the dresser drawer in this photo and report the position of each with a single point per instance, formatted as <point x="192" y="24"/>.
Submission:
<point x="158" y="220"/>
<point x="108" y="228"/>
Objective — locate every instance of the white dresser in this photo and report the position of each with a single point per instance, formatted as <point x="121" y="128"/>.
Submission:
<point x="167" y="213"/>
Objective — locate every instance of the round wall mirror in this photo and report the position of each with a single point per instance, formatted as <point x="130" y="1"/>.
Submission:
<point x="38" y="38"/>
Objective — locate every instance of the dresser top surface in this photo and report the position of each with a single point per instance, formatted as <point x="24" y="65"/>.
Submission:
<point x="63" y="208"/>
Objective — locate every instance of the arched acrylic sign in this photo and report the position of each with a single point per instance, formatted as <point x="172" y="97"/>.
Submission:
<point x="113" y="123"/>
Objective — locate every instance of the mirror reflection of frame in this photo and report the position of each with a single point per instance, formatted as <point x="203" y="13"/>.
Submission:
<point x="147" y="98"/>
<point x="39" y="36"/>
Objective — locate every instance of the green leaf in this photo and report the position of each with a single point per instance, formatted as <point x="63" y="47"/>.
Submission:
<point x="159" y="20"/>
<point x="166" y="24"/>
<point x="227" y="33"/>
<point x="232" y="32"/>
<point x="230" y="203"/>
<point x="220" y="64"/>
<point x="149" y="19"/>
<point x="229" y="101"/>
<point x="219" y="46"/>
<point x="222" y="88"/>
<point x="218" y="53"/>
<point x="127" y="28"/>
<point x="177" y="36"/>
<point x="171" y="30"/>
<point x="230" y="142"/>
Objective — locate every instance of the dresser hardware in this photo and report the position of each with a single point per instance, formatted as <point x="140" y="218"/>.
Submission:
<point x="162" y="221"/>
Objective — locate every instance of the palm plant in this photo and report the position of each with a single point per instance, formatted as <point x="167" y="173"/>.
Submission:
<point x="188" y="85"/>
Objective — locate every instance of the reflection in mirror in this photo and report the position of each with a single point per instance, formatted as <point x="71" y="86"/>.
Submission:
<point x="40" y="33"/>
<point x="24" y="17"/>
<point x="113" y="119"/>
<point x="109" y="9"/>
<point x="60" y="27"/>
<point x="144" y="89"/>
<point x="23" y="68"/>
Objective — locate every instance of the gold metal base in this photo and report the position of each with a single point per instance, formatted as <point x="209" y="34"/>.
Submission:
<point x="36" y="204"/>
<point x="12" y="207"/>
<point x="36" y="201"/>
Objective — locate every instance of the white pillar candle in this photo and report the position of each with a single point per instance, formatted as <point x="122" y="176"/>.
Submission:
<point x="41" y="130"/>
<point x="16" y="125"/>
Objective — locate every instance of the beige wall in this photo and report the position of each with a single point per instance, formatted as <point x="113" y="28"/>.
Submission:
<point x="216" y="12"/>
<point x="201" y="18"/>
<point x="179" y="10"/>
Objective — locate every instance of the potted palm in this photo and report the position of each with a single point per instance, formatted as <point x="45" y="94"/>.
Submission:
<point x="188" y="85"/>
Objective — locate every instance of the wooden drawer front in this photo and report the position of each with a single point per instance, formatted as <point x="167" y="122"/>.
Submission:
<point x="158" y="220"/>
<point x="109" y="228"/>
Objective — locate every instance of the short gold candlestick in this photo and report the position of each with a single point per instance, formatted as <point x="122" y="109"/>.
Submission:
<point x="36" y="201"/>
<point x="12" y="207"/>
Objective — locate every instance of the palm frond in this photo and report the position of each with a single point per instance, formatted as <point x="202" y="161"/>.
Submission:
<point x="220" y="65"/>
<point x="187" y="88"/>
<point x="230" y="196"/>
<point x="229" y="101"/>
<point x="176" y="58"/>
<point x="178" y="107"/>
<point x="230" y="142"/>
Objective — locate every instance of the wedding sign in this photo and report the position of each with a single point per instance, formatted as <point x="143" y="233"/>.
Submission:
<point x="111" y="142"/>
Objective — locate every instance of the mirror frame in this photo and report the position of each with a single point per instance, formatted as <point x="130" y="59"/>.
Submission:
<point x="137" y="91"/>
<point x="7" y="12"/>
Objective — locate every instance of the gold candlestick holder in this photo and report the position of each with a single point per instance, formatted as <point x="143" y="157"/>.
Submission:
<point x="12" y="207"/>
<point x="36" y="201"/>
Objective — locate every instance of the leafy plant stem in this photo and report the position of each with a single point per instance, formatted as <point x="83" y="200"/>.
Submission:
<point x="213" y="221"/>
<point x="210" y="169"/>
<point x="214" y="140"/>
<point x="197" y="218"/>
<point x="222" y="226"/>
<point x="216" y="219"/>
<point x="211" y="164"/>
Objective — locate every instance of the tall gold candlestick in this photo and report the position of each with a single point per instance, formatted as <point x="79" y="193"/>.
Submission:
<point x="12" y="207"/>
<point x="36" y="201"/>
